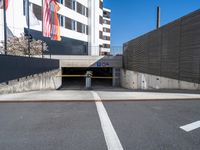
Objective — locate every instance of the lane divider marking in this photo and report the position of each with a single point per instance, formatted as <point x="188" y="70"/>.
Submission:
<point x="191" y="126"/>
<point x="110" y="135"/>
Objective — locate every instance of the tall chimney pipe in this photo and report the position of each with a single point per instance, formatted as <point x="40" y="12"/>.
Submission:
<point x="158" y="18"/>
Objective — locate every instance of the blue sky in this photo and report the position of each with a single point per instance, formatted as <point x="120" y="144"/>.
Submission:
<point x="132" y="18"/>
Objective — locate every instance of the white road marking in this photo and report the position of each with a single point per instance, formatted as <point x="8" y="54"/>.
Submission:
<point x="191" y="126"/>
<point x="111" y="138"/>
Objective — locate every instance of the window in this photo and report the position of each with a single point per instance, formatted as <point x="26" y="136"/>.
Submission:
<point x="83" y="28"/>
<point x="68" y="3"/>
<point x="74" y="5"/>
<point x="24" y="10"/>
<point x="74" y="24"/>
<point x="60" y="1"/>
<point x="106" y="46"/>
<point x="79" y="8"/>
<point x="106" y="22"/>
<point x="87" y="11"/>
<point x="61" y="20"/>
<point x="100" y="4"/>
<point x="100" y="34"/>
<point x="100" y="20"/>
<point x="106" y="38"/>
<point x="106" y="14"/>
<point x="87" y="30"/>
<point x="68" y="23"/>
<point x="83" y="11"/>
<point x="106" y="30"/>
<point x="79" y="27"/>
<point x="37" y="10"/>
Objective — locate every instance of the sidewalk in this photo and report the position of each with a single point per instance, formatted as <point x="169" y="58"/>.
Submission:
<point x="117" y="94"/>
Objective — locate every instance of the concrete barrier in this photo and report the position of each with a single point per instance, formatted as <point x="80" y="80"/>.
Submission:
<point x="42" y="81"/>
<point x="136" y="80"/>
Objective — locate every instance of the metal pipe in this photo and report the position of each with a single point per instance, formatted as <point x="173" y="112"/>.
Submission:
<point x="158" y="18"/>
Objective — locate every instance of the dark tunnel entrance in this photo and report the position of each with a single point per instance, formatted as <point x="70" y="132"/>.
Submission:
<point x="102" y="77"/>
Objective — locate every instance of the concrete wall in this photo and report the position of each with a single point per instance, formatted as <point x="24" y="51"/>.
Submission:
<point x="135" y="80"/>
<point x="89" y="61"/>
<point x="116" y="77"/>
<point x="43" y="81"/>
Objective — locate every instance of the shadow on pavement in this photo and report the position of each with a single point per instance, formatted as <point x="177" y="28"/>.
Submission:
<point x="103" y="88"/>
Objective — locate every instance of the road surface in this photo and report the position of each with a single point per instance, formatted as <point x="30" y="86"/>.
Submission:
<point x="100" y="125"/>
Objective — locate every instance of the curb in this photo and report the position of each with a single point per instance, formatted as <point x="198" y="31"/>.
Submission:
<point x="104" y="100"/>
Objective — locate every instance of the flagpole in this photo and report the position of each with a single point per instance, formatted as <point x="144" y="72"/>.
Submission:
<point x="5" y="26"/>
<point x="42" y="30"/>
<point x="28" y="24"/>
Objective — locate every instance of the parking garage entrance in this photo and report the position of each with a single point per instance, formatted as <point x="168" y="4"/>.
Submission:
<point x="75" y="78"/>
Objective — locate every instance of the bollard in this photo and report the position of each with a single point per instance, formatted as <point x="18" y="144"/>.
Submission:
<point x="88" y="80"/>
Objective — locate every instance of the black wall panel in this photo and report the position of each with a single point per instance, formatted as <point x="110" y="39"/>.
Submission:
<point x="15" y="67"/>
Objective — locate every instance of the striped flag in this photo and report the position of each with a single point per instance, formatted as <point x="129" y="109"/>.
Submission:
<point x="55" y="26"/>
<point x="51" y="27"/>
<point x="1" y="4"/>
<point x="46" y="18"/>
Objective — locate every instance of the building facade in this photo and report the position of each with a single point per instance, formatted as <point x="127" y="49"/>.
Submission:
<point x="84" y="25"/>
<point x="106" y="32"/>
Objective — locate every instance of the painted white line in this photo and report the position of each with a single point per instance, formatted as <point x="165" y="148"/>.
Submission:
<point x="111" y="138"/>
<point x="191" y="126"/>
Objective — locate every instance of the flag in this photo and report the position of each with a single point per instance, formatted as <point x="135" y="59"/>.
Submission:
<point x="9" y="33"/>
<point x="55" y="27"/>
<point x="51" y="27"/>
<point x="32" y="18"/>
<point x="1" y="4"/>
<point x="46" y="18"/>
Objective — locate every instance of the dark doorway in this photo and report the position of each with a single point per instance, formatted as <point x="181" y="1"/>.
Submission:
<point x="72" y="81"/>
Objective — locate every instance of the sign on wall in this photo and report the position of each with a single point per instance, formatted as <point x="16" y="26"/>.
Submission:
<point x="102" y="64"/>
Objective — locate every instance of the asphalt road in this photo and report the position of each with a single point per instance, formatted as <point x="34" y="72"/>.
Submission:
<point x="50" y="126"/>
<point x="155" y="125"/>
<point x="76" y="126"/>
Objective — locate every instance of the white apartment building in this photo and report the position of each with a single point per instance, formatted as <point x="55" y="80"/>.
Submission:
<point x="84" y="25"/>
<point x="106" y="32"/>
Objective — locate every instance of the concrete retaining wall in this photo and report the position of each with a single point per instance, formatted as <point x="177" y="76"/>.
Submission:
<point x="43" y="81"/>
<point x="136" y="80"/>
<point x="116" y="77"/>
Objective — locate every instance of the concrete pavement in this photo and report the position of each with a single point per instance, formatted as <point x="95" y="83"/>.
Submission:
<point x="105" y="94"/>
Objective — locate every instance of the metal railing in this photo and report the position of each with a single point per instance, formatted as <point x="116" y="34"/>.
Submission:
<point x="84" y="76"/>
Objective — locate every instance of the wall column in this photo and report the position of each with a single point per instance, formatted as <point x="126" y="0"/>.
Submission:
<point x="116" y="77"/>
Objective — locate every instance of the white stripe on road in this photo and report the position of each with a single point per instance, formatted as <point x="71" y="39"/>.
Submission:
<point x="191" y="126"/>
<point x="111" y="138"/>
